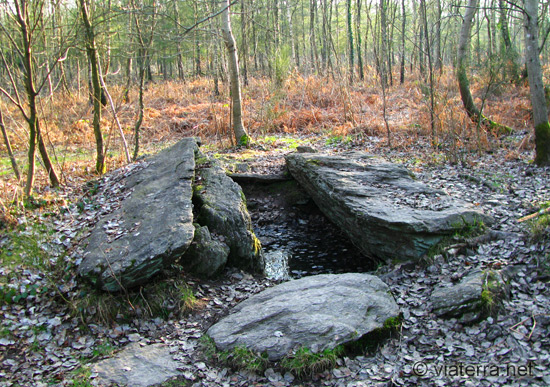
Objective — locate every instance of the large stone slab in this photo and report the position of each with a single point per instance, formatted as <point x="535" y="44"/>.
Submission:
<point x="137" y="366"/>
<point x="318" y="312"/>
<point x="383" y="210"/>
<point x="151" y="229"/>
<point x="222" y="208"/>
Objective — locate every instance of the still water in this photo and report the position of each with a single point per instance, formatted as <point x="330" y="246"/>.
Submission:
<point x="298" y="240"/>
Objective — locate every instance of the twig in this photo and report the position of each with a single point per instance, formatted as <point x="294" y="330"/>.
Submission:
<point x="535" y="214"/>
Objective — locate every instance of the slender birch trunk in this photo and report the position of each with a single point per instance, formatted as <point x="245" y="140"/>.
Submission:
<point x="241" y="136"/>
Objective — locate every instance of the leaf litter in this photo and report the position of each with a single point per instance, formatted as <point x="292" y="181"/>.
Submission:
<point x="43" y="342"/>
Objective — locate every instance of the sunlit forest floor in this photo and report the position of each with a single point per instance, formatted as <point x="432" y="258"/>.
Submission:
<point x="322" y="108"/>
<point x="54" y="328"/>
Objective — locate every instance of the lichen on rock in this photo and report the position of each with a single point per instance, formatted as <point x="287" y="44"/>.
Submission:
<point x="222" y="208"/>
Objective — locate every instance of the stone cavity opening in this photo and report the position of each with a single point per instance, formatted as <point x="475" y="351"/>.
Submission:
<point x="297" y="238"/>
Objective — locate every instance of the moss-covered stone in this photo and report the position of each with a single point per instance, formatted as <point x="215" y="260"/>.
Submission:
<point x="221" y="206"/>
<point x="206" y="256"/>
<point x="475" y="297"/>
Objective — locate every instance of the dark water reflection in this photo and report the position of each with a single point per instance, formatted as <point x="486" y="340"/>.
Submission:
<point x="298" y="239"/>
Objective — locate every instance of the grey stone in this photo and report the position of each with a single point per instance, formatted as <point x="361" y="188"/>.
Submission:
<point x="467" y="300"/>
<point x="305" y="149"/>
<point x="276" y="265"/>
<point x="151" y="229"/>
<point x="223" y="210"/>
<point x="137" y="366"/>
<point x="206" y="256"/>
<point x="382" y="209"/>
<point x="318" y="312"/>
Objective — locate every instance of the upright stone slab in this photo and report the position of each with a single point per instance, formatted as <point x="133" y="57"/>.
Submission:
<point x="318" y="312"/>
<point x="385" y="213"/>
<point x="222" y="208"/>
<point x="152" y="228"/>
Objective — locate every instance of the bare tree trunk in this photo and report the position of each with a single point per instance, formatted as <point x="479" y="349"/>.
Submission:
<point x="358" y="34"/>
<point x="534" y="71"/>
<point x="35" y="136"/>
<point x="430" y="73"/>
<point x="421" y="43"/>
<point x="350" y="41"/>
<point x="403" y="24"/>
<point x="508" y="50"/>
<point x="489" y="35"/>
<point x="244" y="43"/>
<point x="91" y="51"/>
<point x="464" y="59"/>
<point x="276" y="24"/>
<point x="8" y="147"/>
<point x="462" y="70"/>
<point x="438" y="59"/>
<point x="144" y="60"/>
<point x="128" y="70"/>
<point x="137" y="124"/>
<point x="241" y="136"/>
<point x="384" y="44"/>
<point x="293" y="46"/>
<point x="312" y="39"/>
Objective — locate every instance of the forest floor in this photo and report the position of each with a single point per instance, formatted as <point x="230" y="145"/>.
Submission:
<point x="53" y="328"/>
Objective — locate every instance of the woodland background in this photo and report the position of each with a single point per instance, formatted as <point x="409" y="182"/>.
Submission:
<point x="358" y="70"/>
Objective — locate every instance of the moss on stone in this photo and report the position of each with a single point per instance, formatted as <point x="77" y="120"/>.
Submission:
<point x="257" y="245"/>
<point x="201" y="160"/>
<point x="493" y="291"/>
<point x="244" y="140"/>
<point x="393" y="323"/>
<point x="313" y="162"/>
<point x="305" y="362"/>
<point x="243" y="358"/>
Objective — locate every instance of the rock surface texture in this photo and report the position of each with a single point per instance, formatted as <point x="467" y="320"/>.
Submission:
<point x="152" y="227"/>
<point x="222" y="208"/>
<point x="137" y="366"/>
<point x="206" y="256"/>
<point x="386" y="213"/>
<point x="318" y="312"/>
<point x="472" y="298"/>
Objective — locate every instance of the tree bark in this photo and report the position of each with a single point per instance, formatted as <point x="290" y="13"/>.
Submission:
<point x="462" y="70"/>
<point x="534" y="71"/>
<point x="430" y="73"/>
<point x="8" y="148"/>
<point x="91" y="51"/>
<point x="35" y="135"/>
<point x="350" y="41"/>
<point x="293" y="45"/>
<point x="312" y="39"/>
<point x="438" y="58"/>
<point x="241" y="136"/>
<point x="244" y="43"/>
<point x="403" y="24"/>
<point x="358" y="34"/>
<point x="507" y="51"/>
<point x="464" y="59"/>
<point x="384" y="44"/>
